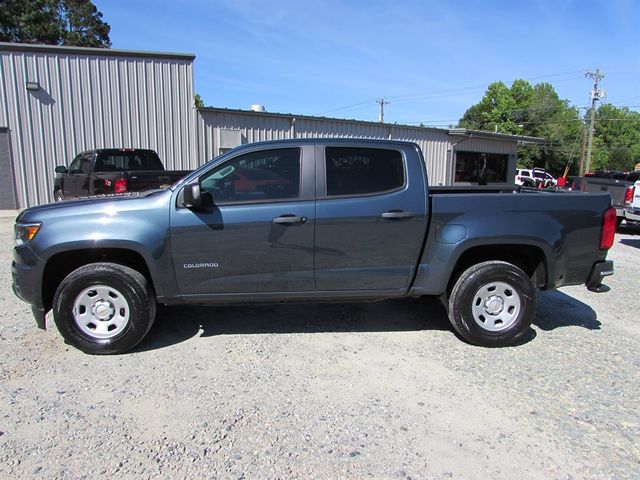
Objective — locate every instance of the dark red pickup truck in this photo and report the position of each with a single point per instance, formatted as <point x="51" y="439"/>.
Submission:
<point x="115" y="170"/>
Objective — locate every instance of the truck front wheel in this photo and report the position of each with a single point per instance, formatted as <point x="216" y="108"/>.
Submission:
<point x="104" y="308"/>
<point x="492" y="304"/>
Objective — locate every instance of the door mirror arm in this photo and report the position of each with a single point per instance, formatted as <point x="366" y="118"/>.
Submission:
<point x="195" y="198"/>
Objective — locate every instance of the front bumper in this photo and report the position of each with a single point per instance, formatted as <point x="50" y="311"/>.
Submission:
<point x="26" y="273"/>
<point x="598" y="272"/>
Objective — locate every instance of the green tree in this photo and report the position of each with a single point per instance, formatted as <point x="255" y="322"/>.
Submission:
<point x="616" y="139"/>
<point x="84" y="26"/>
<point x="53" y="22"/>
<point x="530" y="110"/>
<point x="494" y="112"/>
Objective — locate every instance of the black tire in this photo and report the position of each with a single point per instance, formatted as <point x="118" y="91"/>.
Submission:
<point x="492" y="304"/>
<point x="120" y="294"/>
<point x="619" y="221"/>
<point x="58" y="196"/>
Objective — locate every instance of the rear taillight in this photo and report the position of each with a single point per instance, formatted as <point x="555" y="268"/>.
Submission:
<point x="609" y="224"/>
<point x="120" y="185"/>
<point x="628" y="194"/>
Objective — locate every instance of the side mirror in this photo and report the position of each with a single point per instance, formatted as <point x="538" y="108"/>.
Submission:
<point x="194" y="197"/>
<point x="61" y="169"/>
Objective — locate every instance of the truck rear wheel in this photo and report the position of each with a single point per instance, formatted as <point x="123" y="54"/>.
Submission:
<point x="104" y="308"/>
<point x="492" y="304"/>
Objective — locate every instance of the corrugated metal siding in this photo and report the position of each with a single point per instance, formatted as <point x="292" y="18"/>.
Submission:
<point x="92" y="101"/>
<point x="252" y="128"/>
<point x="435" y="146"/>
<point x="258" y="126"/>
<point x="487" y="146"/>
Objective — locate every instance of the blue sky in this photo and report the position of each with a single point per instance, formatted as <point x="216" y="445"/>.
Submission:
<point x="430" y="59"/>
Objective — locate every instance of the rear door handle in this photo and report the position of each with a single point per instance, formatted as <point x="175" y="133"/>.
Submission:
<point x="289" y="220"/>
<point x="395" y="214"/>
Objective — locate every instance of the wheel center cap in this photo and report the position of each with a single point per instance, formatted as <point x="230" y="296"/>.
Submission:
<point x="494" y="305"/>
<point x="103" y="310"/>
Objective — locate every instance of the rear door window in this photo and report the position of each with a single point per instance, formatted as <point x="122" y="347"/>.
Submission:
<point x="361" y="171"/>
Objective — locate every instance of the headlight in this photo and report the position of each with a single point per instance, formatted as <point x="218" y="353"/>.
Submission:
<point x="26" y="231"/>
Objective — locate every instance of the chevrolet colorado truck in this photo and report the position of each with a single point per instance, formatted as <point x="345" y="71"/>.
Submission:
<point x="113" y="170"/>
<point x="308" y="220"/>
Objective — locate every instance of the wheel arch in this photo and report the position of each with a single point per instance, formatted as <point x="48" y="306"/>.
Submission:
<point x="63" y="263"/>
<point x="531" y="259"/>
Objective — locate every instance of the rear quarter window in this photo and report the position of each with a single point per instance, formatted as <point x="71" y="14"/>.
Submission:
<point x="361" y="171"/>
<point x="110" y="161"/>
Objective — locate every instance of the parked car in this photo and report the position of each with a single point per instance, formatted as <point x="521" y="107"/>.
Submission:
<point x="113" y="170"/>
<point x="355" y="221"/>
<point x="525" y="178"/>
<point x="545" y="177"/>
<point x="537" y="177"/>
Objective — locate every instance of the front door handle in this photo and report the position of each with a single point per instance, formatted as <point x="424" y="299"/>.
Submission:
<point x="395" y="214"/>
<point x="289" y="219"/>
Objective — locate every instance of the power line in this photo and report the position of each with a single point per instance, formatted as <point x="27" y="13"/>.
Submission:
<point x="441" y="93"/>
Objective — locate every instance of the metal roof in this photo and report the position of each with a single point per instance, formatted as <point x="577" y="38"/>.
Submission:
<point x="470" y="133"/>
<point x="314" y="117"/>
<point x="38" y="48"/>
<point x="466" y="132"/>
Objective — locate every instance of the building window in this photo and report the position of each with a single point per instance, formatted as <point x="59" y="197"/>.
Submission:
<point x="358" y="171"/>
<point x="476" y="167"/>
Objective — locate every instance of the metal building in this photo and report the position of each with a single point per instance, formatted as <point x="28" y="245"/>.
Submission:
<point x="58" y="101"/>
<point x="452" y="156"/>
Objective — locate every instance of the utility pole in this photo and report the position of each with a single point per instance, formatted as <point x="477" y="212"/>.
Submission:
<point x="595" y="96"/>
<point x="582" y="151"/>
<point x="382" y="104"/>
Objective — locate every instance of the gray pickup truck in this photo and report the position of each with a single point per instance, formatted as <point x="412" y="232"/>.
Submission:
<point x="620" y="189"/>
<point x="307" y="220"/>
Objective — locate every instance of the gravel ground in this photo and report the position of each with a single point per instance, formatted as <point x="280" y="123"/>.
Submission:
<point x="381" y="390"/>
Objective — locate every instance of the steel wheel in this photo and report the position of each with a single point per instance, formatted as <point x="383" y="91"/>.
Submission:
<point x="103" y="308"/>
<point x="496" y="306"/>
<point x="492" y="304"/>
<point x="101" y="312"/>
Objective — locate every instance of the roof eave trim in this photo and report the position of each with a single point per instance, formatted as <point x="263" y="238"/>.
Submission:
<point x="38" y="48"/>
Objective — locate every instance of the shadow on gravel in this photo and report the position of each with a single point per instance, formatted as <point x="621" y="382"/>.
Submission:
<point x="177" y="324"/>
<point x="557" y="309"/>
<point x="629" y="228"/>
<point x="631" y="242"/>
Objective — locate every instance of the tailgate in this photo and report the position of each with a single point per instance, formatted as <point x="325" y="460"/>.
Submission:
<point x="615" y="188"/>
